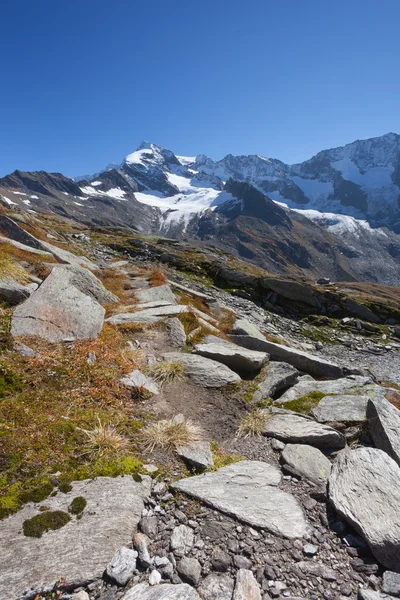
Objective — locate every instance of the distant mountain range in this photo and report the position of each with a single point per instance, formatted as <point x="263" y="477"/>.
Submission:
<point x="337" y="214"/>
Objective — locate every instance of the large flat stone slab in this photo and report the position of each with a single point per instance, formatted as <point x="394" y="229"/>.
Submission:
<point x="349" y="409"/>
<point x="78" y="552"/>
<point x="364" y="488"/>
<point x="297" y="429"/>
<point x="233" y="356"/>
<point x="248" y="491"/>
<point x="308" y="461"/>
<point x="204" y="371"/>
<point x="384" y="426"/>
<point x="149" y="315"/>
<point x="353" y="384"/>
<point x="166" y="591"/>
<point x="277" y="376"/>
<point x="156" y="294"/>
<point x="303" y="361"/>
<point x="59" y="311"/>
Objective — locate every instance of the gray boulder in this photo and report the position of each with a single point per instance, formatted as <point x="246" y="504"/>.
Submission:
<point x="277" y="376"/>
<point x="190" y="570"/>
<point x="299" y="429"/>
<point x="349" y="409"/>
<point x="176" y="332"/>
<point x="86" y="282"/>
<point x="391" y="583"/>
<point x="137" y="379"/>
<point x="204" y="371"/>
<point x="246" y="587"/>
<point x="197" y="455"/>
<point x="384" y="426"/>
<point x="303" y="361"/>
<point x="217" y="587"/>
<point x="248" y="491"/>
<point x="308" y="461"/>
<point x="114" y="507"/>
<point x="160" y="292"/>
<point x="149" y="315"/>
<point x="13" y="292"/>
<point x="122" y="565"/>
<point x="244" y="327"/>
<point x="182" y="539"/>
<point x="58" y="311"/>
<point x="166" y="591"/>
<point x="364" y="488"/>
<point x="233" y="356"/>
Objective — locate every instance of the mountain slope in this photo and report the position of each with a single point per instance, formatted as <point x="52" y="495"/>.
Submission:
<point x="258" y="208"/>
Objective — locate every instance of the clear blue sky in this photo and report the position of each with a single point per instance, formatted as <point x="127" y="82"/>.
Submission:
<point x="84" y="81"/>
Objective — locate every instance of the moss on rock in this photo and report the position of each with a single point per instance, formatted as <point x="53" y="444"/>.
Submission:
<point x="305" y="404"/>
<point x="45" y="521"/>
<point x="77" y="505"/>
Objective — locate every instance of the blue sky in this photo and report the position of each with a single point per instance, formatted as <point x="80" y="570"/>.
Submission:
<point x="84" y="81"/>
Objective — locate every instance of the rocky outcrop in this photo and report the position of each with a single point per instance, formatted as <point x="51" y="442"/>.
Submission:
<point x="315" y="365"/>
<point x="77" y="550"/>
<point x="148" y="315"/>
<point x="59" y="311"/>
<point x="244" y="327"/>
<point x="384" y="426"/>
<point x="204" y="371"/>
<point x="298" y="429"/>
<point x="276" y="376"/>
<point x="293" y="290"/>
<point x="351" y="385"/>
<point x="233" y="356"/>
<point x="364" y="488"/>
<point x="249" y="491"/>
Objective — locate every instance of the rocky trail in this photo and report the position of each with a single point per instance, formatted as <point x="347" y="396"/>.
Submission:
<point x="269" y="458"/>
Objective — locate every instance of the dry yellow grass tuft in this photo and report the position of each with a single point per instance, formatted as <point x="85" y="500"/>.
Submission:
<point x="253" y="424"/>
<point x="167" y="371"/>
<point x="105" y="439"/>
<point x="170" y="433"/>
<point x="226" y="320"/>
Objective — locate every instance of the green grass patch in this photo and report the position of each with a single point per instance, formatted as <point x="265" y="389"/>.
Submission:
<point x="50" y="406"/>
<point x="222" y="458"/>
<point x="305" y="404"/>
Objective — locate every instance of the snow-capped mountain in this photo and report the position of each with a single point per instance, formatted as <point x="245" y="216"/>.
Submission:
<point x="337" y="213"/>
<point x="361" y="179"/>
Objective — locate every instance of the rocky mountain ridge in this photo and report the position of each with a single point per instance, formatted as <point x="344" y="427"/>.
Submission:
<point x="237" y="203"/>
